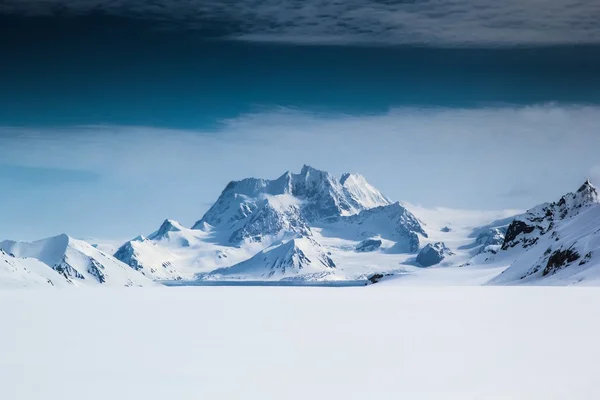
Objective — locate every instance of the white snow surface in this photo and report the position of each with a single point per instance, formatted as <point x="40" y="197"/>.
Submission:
<point x="378" y="342"/>
<point x="22" y="273"/>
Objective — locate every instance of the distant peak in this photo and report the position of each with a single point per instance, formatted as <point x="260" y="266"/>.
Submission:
<point x="307" y="170"/>
<point x="397" y="205"/>
<point x="587" y="185"/>
<point x="588" y="192"/>
<point x="171" y="225"/>
<point x="167" y="226"/>
<point x="63" y="238"/>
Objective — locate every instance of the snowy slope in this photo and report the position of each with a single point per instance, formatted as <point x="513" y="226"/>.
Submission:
<point x="402" y="268"/>
<point x="392" y="222"/>
<point x="77" y="262"/>
<point x="19" y="273"/>
<point x="361" y="193"/>
<point x="554" y="243"/>
<point x="176" y="252"/>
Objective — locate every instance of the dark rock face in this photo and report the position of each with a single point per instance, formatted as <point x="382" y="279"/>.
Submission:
<point x="414" y="242"/>
<point x="559" y="260"/>
<point x="67" y="270"/>
<point x="375" y="278"/>
<point x="127" y="254"/>
<point x="368" y="245"/>
<point x="515" y="229"/>
<point x="95" y="269"/>
<point x="446" y="229"/>
<point x="433" y="254"/>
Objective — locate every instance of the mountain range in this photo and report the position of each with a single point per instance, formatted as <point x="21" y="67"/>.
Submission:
<point x="313" y="226"/>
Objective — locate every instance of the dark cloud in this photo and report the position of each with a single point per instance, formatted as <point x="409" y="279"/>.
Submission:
<point x="438" y="22"/>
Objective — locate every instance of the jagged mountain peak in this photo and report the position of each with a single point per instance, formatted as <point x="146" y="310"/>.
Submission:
<point x="588" y="192"/>
<point x="527" y="228"/>
<point x="298" y="256"/>
<point x="247" y="186"/>
<point x="317" y="194"/>
<point x="139" y="238"/>
<point x="309" y="170"/>
<point x="257" y="219"/>
<point x="167" y="226"/>
<point x="361" y="192"/>
<point x="570" y="203"/>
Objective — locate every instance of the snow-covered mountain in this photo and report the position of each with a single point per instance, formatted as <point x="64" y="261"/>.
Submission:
<point x="298" y="258"/>
<point x="554" y="243"/>
<point x="252" y="209"/>
<point x="254" y="220"/>
<point x="312" y="226"/>
<point x="74" y="261"/>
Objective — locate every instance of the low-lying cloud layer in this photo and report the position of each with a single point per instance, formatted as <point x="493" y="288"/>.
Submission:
<point x="470" y="158"/>
<point x="383" y="22"/>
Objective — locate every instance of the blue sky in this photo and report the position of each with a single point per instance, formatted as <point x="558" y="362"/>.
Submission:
<point x="108" y="125"/>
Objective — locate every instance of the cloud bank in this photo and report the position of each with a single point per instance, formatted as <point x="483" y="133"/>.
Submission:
<point x="491" y="158"/>
<point x="366" y="22"/>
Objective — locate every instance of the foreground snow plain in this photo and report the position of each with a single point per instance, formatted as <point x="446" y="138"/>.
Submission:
<point x="377" y="342"/>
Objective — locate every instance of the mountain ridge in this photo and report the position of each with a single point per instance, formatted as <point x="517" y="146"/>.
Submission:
<point x="313" y="226"/>
<point x="255" y="214"/>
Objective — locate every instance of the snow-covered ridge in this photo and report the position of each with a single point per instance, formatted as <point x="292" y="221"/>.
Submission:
<point x="300" y="225"/>
<point x="555" y="243"/>
<point x="316" y="194"/>
<point x="76" y="262"/>
<point x="312" y="226"/>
